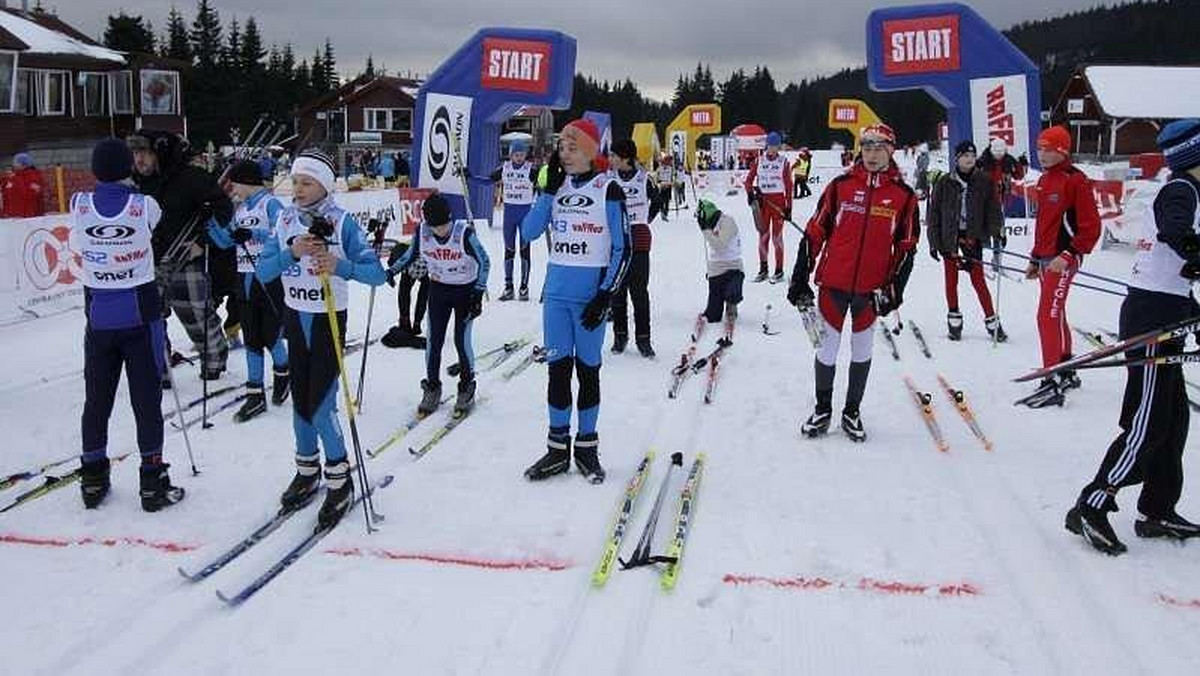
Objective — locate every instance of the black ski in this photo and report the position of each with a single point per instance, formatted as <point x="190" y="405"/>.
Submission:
<point x="258" y="535"/>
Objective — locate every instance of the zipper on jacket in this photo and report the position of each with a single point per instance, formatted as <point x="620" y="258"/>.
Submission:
<point x="862" y="238"/>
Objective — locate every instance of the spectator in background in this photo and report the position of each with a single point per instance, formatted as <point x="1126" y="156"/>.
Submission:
<point x="266" y="167"/>
<point x="385" y="168"/>
<point x="403" y="170"/>
<point x="23" y="189"/>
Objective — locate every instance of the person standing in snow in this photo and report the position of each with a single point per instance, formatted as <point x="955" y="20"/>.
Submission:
<point x="769" y="190"/>
<point x="23" y="189"/>
<point x="317" y="240"/>
<point x="261" y="305"/>
<point x="665" y="175"/>
<point x="641" y="203"/>
<point x="125" y="328"/>
<point x="800" y="170"/>
<point x="864" y="232"/>
<point x="1154" y="413"/>
<point x="1067" y="228"/>
<point x="963" y="215"/>
<point x="724" y="270"/>
<point x="582" y="211"/>
<point x="457" y="267"/>
<point x="517" y="178"/>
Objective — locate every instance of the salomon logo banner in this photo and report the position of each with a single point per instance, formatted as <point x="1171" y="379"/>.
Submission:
<point x="447" y="136"/>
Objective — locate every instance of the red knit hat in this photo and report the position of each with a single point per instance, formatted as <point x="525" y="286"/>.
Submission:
<point x="586" y="136"/>
<point x="1057" y="139"/>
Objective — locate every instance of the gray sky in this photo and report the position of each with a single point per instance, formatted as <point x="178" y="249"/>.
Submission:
<point x="649" y="41"/>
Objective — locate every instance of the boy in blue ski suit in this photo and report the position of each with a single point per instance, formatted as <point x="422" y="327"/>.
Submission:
<point x="316" y="238"/>
<point x="518" y="180"/>
<point x="583" y="209"/>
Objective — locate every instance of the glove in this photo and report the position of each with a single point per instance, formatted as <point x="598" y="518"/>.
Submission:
<point x="800" y="293"/>
<point x="476" y="307"/>
<point x="933" y="253"/>
<point x="390" y="277"/>
<point x="886" y="300"/>
<point x="556" y="175"/>
<point x="1001" y="241"/>
<point x="596" y="311"/>
<point x="219" y="235"/>
<point x="1190" y="270"/>
<point x="787" y="214"/>
<point x="753" y="196"/>
<point x="242" y="235"/>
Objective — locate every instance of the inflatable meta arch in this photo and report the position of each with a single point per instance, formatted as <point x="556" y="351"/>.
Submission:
<point x="689" y="125"/>
<point x="462" y="106"/>
<point x="851" y="115"/>
<point x="989" y="87"/>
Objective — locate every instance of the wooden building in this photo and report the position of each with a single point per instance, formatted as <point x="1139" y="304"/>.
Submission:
<point x="373" y="113"/>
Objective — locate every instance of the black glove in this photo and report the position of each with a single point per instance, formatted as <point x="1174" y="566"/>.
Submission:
<point x="800" y="293"/>
<point x="887" y="299"/>
<point x="241" y="235"/>
<point x="556" y="175"/>
<point x="596" y="311"/>
<point x="933" y="253"/>
<point x="753" y="196"/>
<point x="476" y="307"/>
<point x="787" y="214"/>
<point x="390" y="277"/>
<point x="1190" y="270"/>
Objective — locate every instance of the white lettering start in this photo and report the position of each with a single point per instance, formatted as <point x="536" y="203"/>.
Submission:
<point x="924" y="45"/>
<point x="510" y="64"/>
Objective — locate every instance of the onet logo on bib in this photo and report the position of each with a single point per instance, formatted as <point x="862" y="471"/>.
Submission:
<point x="923" y="45"/>
<point x="306" y="294"/>
<point x="516" y="65"/>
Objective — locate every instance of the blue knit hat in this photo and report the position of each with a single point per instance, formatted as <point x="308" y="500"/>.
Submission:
<point x="1180" y="143"/>
<point x="23" y="160"/>
<point x="518" y="146"/>
<point x="112" y="161"/>
<point x="774" y="139"/>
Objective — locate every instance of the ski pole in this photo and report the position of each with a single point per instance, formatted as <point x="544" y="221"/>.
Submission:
<point x="187" y="442"/>
<point x="261" y="285"/>
<point x="205" y="424"/>
<point x="1073" y="282"/>
<point x="1081" y="273"/>
<point x="641" y="553"/>
<point x="380" y="228"/>
<point x="369" y="513"/>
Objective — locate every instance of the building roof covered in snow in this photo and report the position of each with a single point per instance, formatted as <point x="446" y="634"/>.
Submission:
<point x="42" y="33"/>
<point x="1146" y="92"/>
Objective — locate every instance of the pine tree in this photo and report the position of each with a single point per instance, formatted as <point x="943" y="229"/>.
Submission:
<point x="177" y="45"/>
<point x="206" y="37"/>
<point x="250" y="59"/>
<point x="370" y="71"/>
<point x="233" y="47"/>
<point x="129" y="34"/>
<point x="330" y="64"/>
<point x="318" y="81"/>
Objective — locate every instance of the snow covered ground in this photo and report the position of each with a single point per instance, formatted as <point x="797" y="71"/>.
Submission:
<point x="805" y="557"/>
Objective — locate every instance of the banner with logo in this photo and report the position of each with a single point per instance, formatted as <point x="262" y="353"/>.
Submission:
<point x="688" y="126"/>
<point x="851" y="115"/>
<point x="964" y="63"/>
<point x="447" y="134"/>
<point x="677" y="145"/>
<point x="46" y="272"/>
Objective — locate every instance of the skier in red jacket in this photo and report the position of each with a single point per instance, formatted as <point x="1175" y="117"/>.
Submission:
<point x="772" y="197"/>
<point x="1068" y="226"/>
<point x="864" y="231"/>
<point x="23" y="189"/>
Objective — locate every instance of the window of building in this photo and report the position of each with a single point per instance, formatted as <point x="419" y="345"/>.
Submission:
<point x="160" y="92"/>
<point x="27" y="91"/>
<point x="56" y="92"/>
<point x="8" y="81"/>
<point x="387" y="119"/>
<point x="95" y="94"/>
<point x="121" y="87"/>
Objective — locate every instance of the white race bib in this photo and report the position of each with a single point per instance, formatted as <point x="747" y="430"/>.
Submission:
<point x="301" y="284"/>
<point x="579" y="232"/>
<point x="116" y="251"/>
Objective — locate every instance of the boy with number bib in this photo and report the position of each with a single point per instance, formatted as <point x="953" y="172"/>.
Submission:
<point x="641" y="203"/>
<point x="457" y="267"/>
<point x="583" y="209"/>
<point x="517" y="178"/>
<point x="261" y="305"/>
<point x="316" y="239"/>
<point x="112" y="228"/>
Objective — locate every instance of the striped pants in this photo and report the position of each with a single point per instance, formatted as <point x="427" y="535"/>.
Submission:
<point x="1154" y="415"/>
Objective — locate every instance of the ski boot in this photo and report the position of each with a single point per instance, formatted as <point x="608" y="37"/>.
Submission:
<point x="762" y="273"/>
<point x="94" y="482"/>
<point x="281" y="385"/>
<point x="255" y="404"/>
<point x="587" y="457"/>
<point x="852" y="424"/>
<point x="508" y="293"/>
<point x="1092" y="524"/>
<point x="817" y="423"/>
<point x="304" y="485"/>
<point x="523" y="294"/>
<point x="339" y="495"/>
<point x="556" y="460"/>
<point x="1170" y="526"/>
<point x="1047" y="393"/>
<point x="995" y="330"/>
<point x="620" y="340"/>
<point x="157" y="491"/>
<point x="954" y="325"/>
<point x="778" y="276"/>
<point x="466" y="397"/>
<point x="430" y="398"/>
<point x="645" y="348"/>
<point x="1068" y="380"/>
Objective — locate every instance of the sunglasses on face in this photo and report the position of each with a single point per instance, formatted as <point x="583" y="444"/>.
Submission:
<point x="872" y="144"/>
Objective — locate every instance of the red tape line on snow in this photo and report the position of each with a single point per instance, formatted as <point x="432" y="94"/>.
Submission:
<point x="1193" y="604"/>
<point x="168" y="547"/>
<point x="864" y="584"/>
<point x="466" y="561"/>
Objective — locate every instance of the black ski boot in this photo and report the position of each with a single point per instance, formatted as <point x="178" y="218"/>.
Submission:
<point x="587" y="457"/>
<point x="157" y="491"/>
<point x="523" y="294"/>
<point x="431" y="398"/>
<point x="466" y="397"/>
<point x="556" y="460"/>
<point x="339" y="495"/>
<point x="508" y="293"/>
<point x="762" y="273"/>
<point x="778" y="276"/>
<point x="817" y="423"/>
<point x="94" y="482"/>
<point x="1092" y="524"/>
<point x="1046" y="394"/>
<point x="1068" y="380"/>
<point x="254" y="406"/>
<point x="620" y="341"/>
<point x="995" y="330"/>
<point x="1171" y="526"/>
<point x="954" y="324"/>
<point x="852" y="424"/>
<point x="645" y="348"/>
<point x="304" y="485"/>
<point x="281" y="385"/>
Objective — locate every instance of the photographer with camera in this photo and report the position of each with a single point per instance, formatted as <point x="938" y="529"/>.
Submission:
<point x="318" y="246"/>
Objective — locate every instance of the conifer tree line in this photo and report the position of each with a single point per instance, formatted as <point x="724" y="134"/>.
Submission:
<point x="235" y="76"/>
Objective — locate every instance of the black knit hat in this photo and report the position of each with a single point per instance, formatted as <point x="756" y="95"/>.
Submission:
<point x="436" y="210"/>
<point x="625" y="149"/>
<point x="965" y="146"/>
<point x="112" y="161"/>
<point x="245" y="172"/>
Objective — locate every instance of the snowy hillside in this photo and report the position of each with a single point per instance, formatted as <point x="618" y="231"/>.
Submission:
<point x="805" y="557"/>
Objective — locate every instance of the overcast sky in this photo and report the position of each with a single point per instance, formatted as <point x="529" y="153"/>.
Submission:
<point x="649" y="41"/>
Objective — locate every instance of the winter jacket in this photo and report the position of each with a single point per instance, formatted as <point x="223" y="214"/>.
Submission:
<point x="23" y="191"/>
<point x="864" y="226"/>
<point x="1067" y="219"/>
<point x="948" y="221"/>
<point x="183" y="190"/>
<point x="1003" y="171"/>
